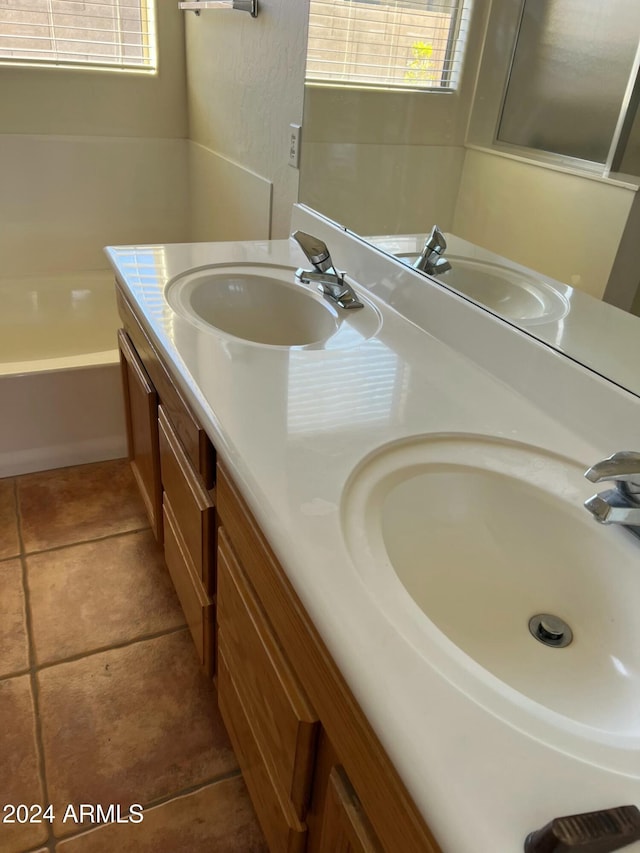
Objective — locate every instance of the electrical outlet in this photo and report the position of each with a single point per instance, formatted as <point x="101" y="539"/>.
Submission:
<point x="294" y="145"/>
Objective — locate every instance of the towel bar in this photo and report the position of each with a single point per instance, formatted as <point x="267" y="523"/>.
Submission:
<point x="197" y="6"/>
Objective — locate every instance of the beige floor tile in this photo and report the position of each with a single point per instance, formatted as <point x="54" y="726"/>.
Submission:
<point x="130" y="725"/>
<point x="14" y="641"/>
<point x="215" y="819"/>
<point x="75" y="504"/>
<point x="109" y="591"/>
<point x="19" y="776"/>
<point x="9" y="542"/>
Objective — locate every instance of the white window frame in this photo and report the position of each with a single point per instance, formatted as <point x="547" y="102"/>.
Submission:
<point x="52" y="33"/>
<point x="341" y="30"/>
<point x="492" y="83"/>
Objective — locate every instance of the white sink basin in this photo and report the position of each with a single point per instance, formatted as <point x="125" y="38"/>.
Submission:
<point x="263" y="304"/>
<point x="508" y="292"/>
<point x="462" y="539"/>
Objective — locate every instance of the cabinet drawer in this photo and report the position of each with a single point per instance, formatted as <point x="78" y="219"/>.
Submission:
<point x="283" y="831"/>
<point x="193" y="438"/>
<point x="196" y="604"/>
<point x="191" y="504"/>
<point x="282" y="719"/>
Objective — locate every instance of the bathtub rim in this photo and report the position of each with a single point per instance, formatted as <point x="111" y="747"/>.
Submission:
<point x="66" y="362"/>
<point x="103" y="278"/>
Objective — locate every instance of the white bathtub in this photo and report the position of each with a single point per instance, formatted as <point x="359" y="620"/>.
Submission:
<point x="60" y="394"/>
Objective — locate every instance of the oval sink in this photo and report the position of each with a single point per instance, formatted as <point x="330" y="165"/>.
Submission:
<point x="482" y="535"/>
<point x="509" y="292"/>
<point x="263" y="304"/>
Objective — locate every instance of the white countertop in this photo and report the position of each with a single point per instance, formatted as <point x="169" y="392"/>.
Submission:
<point x="291" y="425"/>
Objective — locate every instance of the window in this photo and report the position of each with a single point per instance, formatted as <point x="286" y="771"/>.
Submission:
<point x="99" y="33"/>
<point x="570" y="75"/>
<point x="397" y="44"/>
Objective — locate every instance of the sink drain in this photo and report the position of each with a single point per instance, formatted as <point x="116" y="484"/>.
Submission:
<point x="550" y="630"/>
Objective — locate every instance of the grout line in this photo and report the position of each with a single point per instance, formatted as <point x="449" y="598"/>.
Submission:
<point x="122" y="645"/>
<point x="183" y="792"/>
<point x="48" y="845"/>
<point x="86" y="541"/>
<point x="8" y="559"/>
<point x="17" y="674"/>
<point x="161" y="801"/>
<point x="35" y="692"/>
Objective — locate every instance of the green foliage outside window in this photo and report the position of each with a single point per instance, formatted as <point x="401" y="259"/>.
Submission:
<point x="420" y="66"/>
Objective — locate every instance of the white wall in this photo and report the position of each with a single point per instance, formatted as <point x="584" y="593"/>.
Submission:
<point x="89" y="158"/>
<point x="382" y="189"/>
<point x="385" y="162"/>
<point x="563" y="225"/>
<point x="87" y="102"/>
<point x="65" y="197"/>
<point x="245" y="86"/>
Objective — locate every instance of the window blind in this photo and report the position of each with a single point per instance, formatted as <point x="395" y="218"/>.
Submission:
<point x="414" y="44"/>
<point x="99" y="33"/>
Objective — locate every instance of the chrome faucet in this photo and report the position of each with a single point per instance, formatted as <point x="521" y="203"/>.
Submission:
<point x="330" y="282"/>
<point x="620" y="505"/>
<point x="431" y="260"/>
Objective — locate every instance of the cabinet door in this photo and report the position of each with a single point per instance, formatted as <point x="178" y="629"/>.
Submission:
<point x="345" y="828"/>
<point x="141" y="413"/>
<point x="284" y="723"/>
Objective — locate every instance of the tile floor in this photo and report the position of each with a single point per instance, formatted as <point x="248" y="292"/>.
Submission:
<point x="102" y="700"/>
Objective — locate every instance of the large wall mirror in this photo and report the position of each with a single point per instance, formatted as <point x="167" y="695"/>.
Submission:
<point x="511" y="124"/>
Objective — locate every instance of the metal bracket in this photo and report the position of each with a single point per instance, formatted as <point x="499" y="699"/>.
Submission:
<point x="197" y="6"/>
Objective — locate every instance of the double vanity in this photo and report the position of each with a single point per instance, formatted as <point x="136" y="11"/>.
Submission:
<point x="375" y="522"/>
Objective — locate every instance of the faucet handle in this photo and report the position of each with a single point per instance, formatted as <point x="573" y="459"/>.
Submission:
<point x="621" y="466"/>
<point x="608" y="508"/>
<point x="624" y="469"/>
<point x="435" y="242"/>
<point x="315" y="250"/>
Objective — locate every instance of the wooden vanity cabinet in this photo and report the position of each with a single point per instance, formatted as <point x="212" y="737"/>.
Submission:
<point x="318" y="777"/>
<point x="173" y="462"/>
<point x="303" y="743"/>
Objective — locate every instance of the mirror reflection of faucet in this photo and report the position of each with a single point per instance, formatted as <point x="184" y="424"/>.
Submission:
<point x="620" y="505"/>
<point x="330" y="282"/>
<point x="431" y="260"/>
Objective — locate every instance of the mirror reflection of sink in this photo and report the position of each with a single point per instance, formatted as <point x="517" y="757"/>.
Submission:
<point x="482" y="535"/>
<point x="509" y="292"/>
<point x="263" y="304"/>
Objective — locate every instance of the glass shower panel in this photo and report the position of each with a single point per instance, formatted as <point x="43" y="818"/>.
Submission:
<point x="570" y="71"/>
